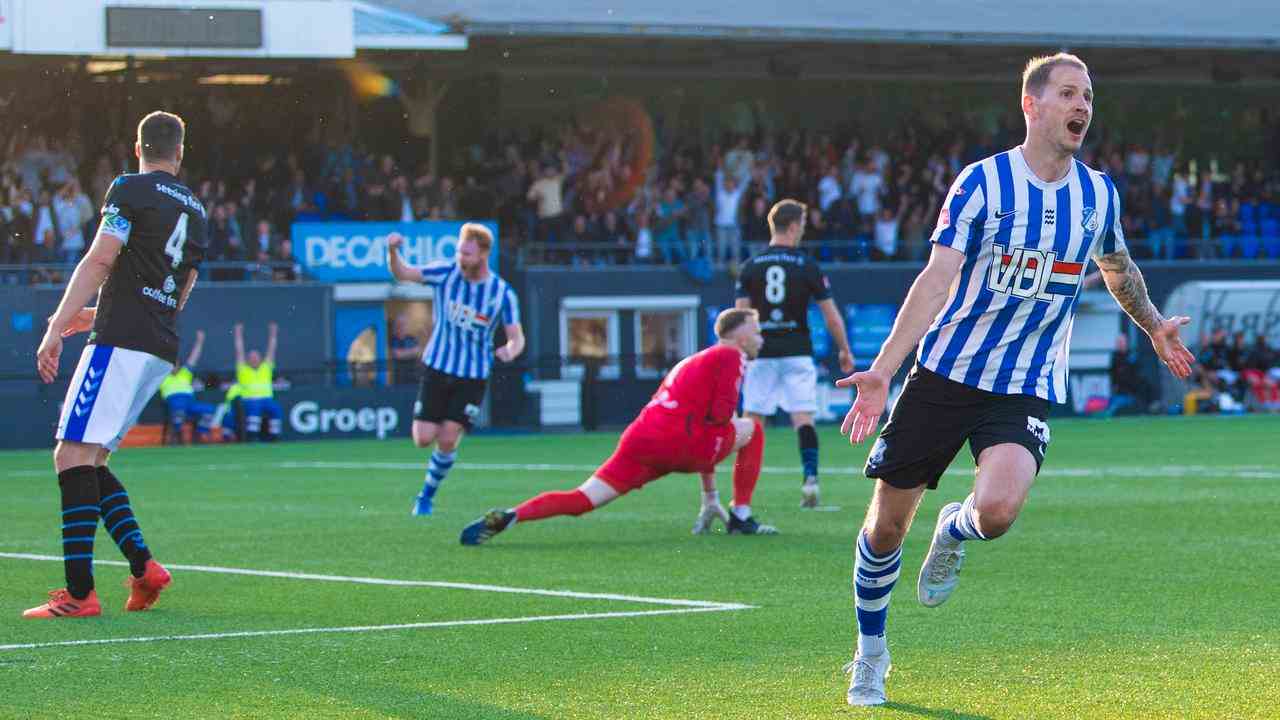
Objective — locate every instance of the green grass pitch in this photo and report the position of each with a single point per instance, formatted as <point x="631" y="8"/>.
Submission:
<point x="1140" y="582"/>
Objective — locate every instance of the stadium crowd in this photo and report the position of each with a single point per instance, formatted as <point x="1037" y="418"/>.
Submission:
<point x="609" y="196"/>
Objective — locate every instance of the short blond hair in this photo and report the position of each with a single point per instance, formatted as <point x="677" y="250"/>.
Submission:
<point x="1035" y="76"/>
<point x="732" y="319"/>
<point x="477" y="232"/>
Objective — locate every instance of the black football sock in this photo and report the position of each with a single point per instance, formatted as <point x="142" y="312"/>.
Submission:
<point x="79" y="486"/>
<point x="117" y="517"/>
<point x="808" y="450"/>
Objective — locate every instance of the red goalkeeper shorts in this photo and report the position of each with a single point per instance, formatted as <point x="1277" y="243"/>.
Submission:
<point x="652" y="447"/>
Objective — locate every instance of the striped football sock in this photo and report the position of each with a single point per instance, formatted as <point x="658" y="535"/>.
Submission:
<point x="438" y="470"/>
<point x="117" y="517"/>
<point x="873" y="579"/>
<point x="79" y="486"/>
<point x="963" y="525"/>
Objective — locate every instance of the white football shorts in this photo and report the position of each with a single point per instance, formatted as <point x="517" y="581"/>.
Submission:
<point x="789" y="382"/>
<point x="107" y="393"/>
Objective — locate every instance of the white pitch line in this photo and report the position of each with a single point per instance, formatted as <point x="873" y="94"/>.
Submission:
<point x="702" y="604"/>
<point x="1244" y="472"/>
<point x="375" y="628"/>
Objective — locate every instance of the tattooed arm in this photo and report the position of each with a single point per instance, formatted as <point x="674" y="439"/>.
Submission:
<point x="1124" y="281"/>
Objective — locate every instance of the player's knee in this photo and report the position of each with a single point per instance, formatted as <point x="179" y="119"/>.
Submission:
<point x="995" y="517"/>
<point x="448" y="443"/>
<point x="886" y="535"/>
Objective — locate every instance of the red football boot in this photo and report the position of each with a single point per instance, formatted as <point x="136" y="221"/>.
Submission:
<point x="144" y="591"/>
<point x="62" y="605"/>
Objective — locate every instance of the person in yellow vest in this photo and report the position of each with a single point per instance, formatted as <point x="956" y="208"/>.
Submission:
<point x="254" y="376"/>
<point x="179" y="397"/>
<point x="226" y="415"/>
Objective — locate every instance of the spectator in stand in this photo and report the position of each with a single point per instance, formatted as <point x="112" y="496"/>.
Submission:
<point x="756" y="229"/>
<point x="698" y="219"/>
<point x="547" y="195"/>
<point x="669" y="238"/>
<point x="613" y="234"/>
<point x="1203" y="230"/>
<point x="739" y="161"/>
<point x="1262" y="373"/>
<point x="282" y="253"/>
<point x="72" y="211"/>
<point x="260" y="245"/>
<point x="1226" y="228"/>
<point x="1128" y="387"/>
<point x="829" y="189"/>
<point x="728" y="226"/>
<point x="1180" y="201"/>
<point x="45" y="247"/>
<point x="645" y="240"/>
<point x="406" y="352"/>
<point x="865" y="188"/>
<point x="886" y="235"/>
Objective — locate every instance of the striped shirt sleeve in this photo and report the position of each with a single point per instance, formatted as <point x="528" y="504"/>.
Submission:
<point x="435" y="273"/>
<point x="965" y="202"/>
<point x="510" y="307"/>
<point x="1112" y="238"/>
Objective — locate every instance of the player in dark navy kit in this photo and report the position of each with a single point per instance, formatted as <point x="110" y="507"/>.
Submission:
<point x="142" y="265"/>
<point x="780" y="283"/>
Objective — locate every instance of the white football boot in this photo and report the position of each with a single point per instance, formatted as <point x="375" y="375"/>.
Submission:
<point x="867" y="676"/>
<point x="940" y="572"/>
<point x="707" y="517"/>
<point x="809" y="493"/>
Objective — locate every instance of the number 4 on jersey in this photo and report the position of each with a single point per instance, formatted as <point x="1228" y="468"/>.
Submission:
<point x="177" y="238"/>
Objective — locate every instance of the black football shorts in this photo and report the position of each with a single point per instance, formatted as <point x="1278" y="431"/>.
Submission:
<point x="933" y="418"/>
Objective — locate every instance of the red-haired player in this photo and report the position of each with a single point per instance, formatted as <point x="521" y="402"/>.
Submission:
<point x="688" y="427"/>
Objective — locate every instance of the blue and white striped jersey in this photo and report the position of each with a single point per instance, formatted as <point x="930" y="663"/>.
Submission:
<point x="1006" y="325"/>
<point x="466" y="316"/>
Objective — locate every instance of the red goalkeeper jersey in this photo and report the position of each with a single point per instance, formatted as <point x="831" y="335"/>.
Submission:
<point x="703" y="388"/>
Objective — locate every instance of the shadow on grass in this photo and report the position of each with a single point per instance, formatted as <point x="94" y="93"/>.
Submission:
<point x="925" y="712"/>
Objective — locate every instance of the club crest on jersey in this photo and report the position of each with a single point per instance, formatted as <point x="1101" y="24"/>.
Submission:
<point x="1089" y="220"/>
<point x="467" y="316"/>
<point x="1033" y="274"/>
<point x="944" y="218"/>
<point x="169" y="284"/>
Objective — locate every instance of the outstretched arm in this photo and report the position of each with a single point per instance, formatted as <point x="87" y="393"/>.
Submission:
<point x="239" y="336"/>
<point x="835" y="326"/>
<point x="273" y="332"/>
<point x="925" y="299"/>
<point x="1124" y="281"/>
<point x="196" y="349"/>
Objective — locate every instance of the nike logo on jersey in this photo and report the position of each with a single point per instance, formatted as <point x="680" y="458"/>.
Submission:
<point x="1005" y="214"/>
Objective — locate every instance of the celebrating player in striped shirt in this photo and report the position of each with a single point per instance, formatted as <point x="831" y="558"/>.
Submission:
<point x="470" y="302"/>
<point x="991" y="314"/>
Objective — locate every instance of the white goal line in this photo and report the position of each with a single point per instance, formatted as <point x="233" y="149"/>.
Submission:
<point x="376" y="628"/>
<point x="675" y="606"/>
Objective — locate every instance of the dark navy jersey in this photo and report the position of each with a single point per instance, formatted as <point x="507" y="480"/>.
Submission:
<point x="780" y="283"/>
<point x="164" y="230"/>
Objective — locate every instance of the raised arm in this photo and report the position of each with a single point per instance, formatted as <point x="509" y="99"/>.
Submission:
<point x="399" y="270"/>
<point x="238" y="332"/>
<point x="835" y="326"/>
<point x="273" y="333"/>
<point x="196" y="349"/>
<point x="1125" y="283"/>
<point x="924" y="300"/>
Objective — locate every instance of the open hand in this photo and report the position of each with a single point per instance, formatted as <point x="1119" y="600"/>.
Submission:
<point x="864" y="416"/>
<point x="1169" y="347"/>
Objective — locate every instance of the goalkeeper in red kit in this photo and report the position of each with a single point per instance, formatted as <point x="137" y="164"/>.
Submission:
<point x="688" y="427"/>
